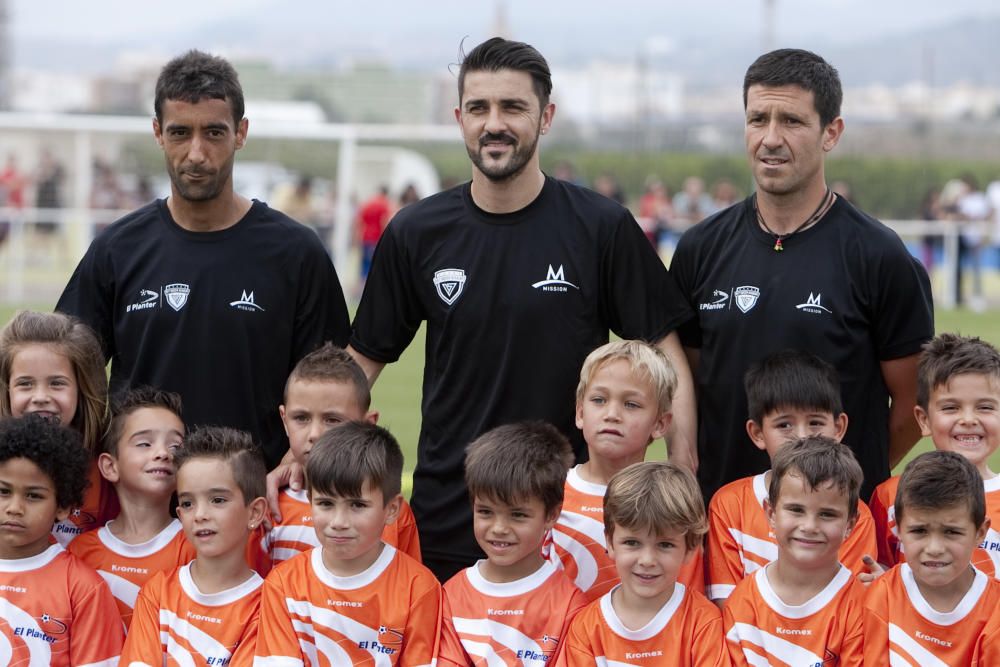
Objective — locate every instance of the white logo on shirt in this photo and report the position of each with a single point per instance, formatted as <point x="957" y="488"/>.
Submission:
<point x="176" y="295"/>
<point x="555" y="281"/>
<point x="147" y="300"/>
<point x="721" y="301"/>
<point x="246" y="302"/>
<point x="746" y="297"/>
<point x="449" y="284"/>
<point x="813" y="305"/>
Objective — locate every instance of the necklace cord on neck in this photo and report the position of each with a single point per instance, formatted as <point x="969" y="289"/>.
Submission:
<point x="778" y="238"/>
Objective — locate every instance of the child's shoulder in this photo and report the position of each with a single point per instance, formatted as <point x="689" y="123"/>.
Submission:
<point x="746" y="490"/>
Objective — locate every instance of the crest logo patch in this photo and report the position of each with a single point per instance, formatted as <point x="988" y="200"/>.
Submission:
<point x="176" y="295"/>
<point x="449" y="284"/>
<point x="746" y="297"/>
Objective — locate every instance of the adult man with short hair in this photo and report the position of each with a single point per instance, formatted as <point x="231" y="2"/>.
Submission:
<point x="518" y="276"/>
<point x="795" y="266"/>
<point x="207" y="293"/>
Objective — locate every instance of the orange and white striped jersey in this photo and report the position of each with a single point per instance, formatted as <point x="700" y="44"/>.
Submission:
<point x="518" y="623"/>
<point x="740" y="540"/>
<point x="578" y="544"/>
<point x="175" y="624"/>
<point x="100" y="505"/>
<point x="295" y="533"/>
<point x="54" y="610"/>
<point x="390" y="614"/>
<point x="901" y="628"/>
<point x="827" y="630"/>
<point x="687" y="631"/>
<point x="985" y="558"/>
<point x="126" y="567"/>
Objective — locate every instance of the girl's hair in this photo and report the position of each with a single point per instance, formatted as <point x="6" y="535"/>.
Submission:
<point x="78" y="343"/>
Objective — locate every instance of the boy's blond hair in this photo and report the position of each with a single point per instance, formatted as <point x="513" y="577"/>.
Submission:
<point x="656" y="496"/>
<point x="818" y="460"/>
<point x="646" y="361"/>
<point x="948" y="355"/>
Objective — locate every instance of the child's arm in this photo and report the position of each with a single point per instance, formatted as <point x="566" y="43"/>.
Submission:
<point x="852" y="649"/>
<point x="708" y="644"/>
<point x="243" y="655"/>
<point x="876" y="626"/>
<point x="575" y="647"/>
<point x="725" y="564"/>
<point x="451" y="653"/>
<point x="574" y="606"/>
<point x="884" y="538"/>
<point x="423" y="630"/>
<point x="277" y="642"/>
<point x="143" y="645"/>
<point x="97" y="633"/>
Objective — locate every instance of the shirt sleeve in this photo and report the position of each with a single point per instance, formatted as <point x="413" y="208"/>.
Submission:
<point x="243" y="655"/>
<point x="97" y="629"/>
<point x="89" y="295"/>
<point x="407" y="537"/>
<point x="423" y="630"/>
<point x="708" y="646"/>
<point x="852" y="649"/>
<point x="860" y="543"/>
<point x="725" y="566"/>
<point x="576" y="648"/>
<point x="876" y="625"/>
<point x="451" y="652"/>
<point x="143" y="645"/>
<point x="277" y="644"/>
<point x="683" y="267"/>
<point x="575" y="605"/>
<point x="884" y="538"/>
<point x="904" y="310"/>
<point x="320" y="310"/>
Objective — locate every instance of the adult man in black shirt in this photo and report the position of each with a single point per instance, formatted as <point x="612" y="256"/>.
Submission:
<point x="207" y="293"/>
<point x="795" y="266"/>
<point x="518" y="276"/>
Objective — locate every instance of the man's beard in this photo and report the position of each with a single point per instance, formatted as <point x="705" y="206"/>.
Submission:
<point x="515" y="164"/>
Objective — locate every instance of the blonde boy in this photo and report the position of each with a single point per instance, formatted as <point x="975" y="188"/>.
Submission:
<point x="208" y="609"/>
<point x="790" y="395"/>
<point x="354" y="600"/>
<point x="958" y="407"/>
<point x="932" y="610"/>
<point x="654" y="517"/>
<point x="138" y="458"/>
<point x="805" y="607"/>
<point x="325" y="389"/>
<point x="623" y="403"/>
<point x="513" y="607"/>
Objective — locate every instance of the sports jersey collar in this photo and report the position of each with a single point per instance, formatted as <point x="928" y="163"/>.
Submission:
<point x="655" y="625"/>
<point x="142" y="549"/>
<point x="509" y="589"/>
<point x="228" y="596"/>
<point x="31" y="562"/>
<point x="301" y="495"/>
<point x="506" y="218"/>
<point x="574" y="480"/>
<point x="256" y="208"/>
<point x="796" y="239"/>
<point x="760" y="488"/>
<point x="355" y="581"/>
<point x="961" y="610"/>
<point x="991" y="485"/>
<point x="810" y="607"/>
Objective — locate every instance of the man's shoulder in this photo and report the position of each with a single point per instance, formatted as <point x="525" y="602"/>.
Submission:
<point x="873" y="232"/>
<point x="717" y="227"/>
<point x="431" y="210"/>
<point x="135" y="222"/>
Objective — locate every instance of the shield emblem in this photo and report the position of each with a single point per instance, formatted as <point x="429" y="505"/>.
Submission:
<point x="176" y="295"/>
<point x="746" y="297"/>
<point x="449" y="284"/>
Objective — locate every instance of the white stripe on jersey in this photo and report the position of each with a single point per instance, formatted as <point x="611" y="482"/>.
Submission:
<point x="780" y="648"/>
<point x="920" y="657"/>
<point x="206" y="645"/>
<point x="483" y="650"/>
<point x="511" y="638"/>
<point x="39" y="650"/>
<point x="343" y="625"/>
<point x="763" y="549"/>
<point x="122" y="589"/>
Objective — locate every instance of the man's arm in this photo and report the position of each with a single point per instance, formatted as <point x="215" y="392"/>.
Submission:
<point x="682" y="439"/>
<point x="900" y="377"/>
<point x="371" y="367"/>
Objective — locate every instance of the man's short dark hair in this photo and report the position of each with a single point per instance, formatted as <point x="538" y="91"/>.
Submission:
<point x="355" y="454"/>
<point x="805" y="69"/>
<point x="194" y="75"/>
<point x="519" y="462"/>
<point x="235" y="448"/>
<point x="791" y="379"/>
<point x="130" y="400"/>
<point x="498" y="53"/>
<point x="940" y="480"/>
<point x="948" y="355"/>
<point x="57" y="451"/>
<point x="818" y="460"/>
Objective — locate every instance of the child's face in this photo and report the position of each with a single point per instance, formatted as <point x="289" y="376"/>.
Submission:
<point x="787" y="424"/>
<point x="314" y="407"/>
<point x="27" y="509"/>
<point x="939" y="543"/>
<point x="648" y="563"/>
<point x="216" y="517"/>
<point x="809" y="524"/>
<point x="619" y="415"/>
<point x="963" y="416"/>
<point x="42" y="381"/>
<point x="145" y="461"/>
<point x="350" y="529"/>
<point x="511" y="536"/>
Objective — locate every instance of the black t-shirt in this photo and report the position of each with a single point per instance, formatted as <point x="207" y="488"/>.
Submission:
<point x="218" y="317"/>
<point x="513" y="304"/>
<point x="845" y="290"/>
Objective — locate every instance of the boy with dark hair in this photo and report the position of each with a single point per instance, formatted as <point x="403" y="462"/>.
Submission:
<point x="790" y="395"/>
<point x="805" y="607"/>
<point x="932" y="609"/>
<point x="958" y="407"/>
<point x="654" y="517"/>
<point x="354" y="598"/>
<point x="513" y="605"/>
<point x="207" y="610"/>
<point x="55" y="610"/>
<point x="138" y="459"/>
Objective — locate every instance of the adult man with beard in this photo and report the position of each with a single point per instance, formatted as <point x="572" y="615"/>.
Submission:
<point x="207" y="293"/>
<point x="518" y="276"/>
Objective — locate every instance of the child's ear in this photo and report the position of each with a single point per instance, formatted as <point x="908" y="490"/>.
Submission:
<point x="552" y="517"/>
<point x="372" y="417"/>
<point x="661" y="426"/>
<point x="851" y="523"/>
<point x="281" y="411"/>
<point x="756" y="434"/>
<point x="108" y="465"/>
<point x="608" y="539"/>
<point x="392" y="508"/>
<point x="579" y="415"/>
<point x="689" y="554"/>
<point x="982" y="530"/>
<point x="840" y="424"/>
<point x="769" y="512"/>
<point x="923" y="419"/>
<point x="257" y="511"/>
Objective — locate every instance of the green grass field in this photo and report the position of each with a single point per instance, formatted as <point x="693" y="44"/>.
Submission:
<point x="397" y="393"/>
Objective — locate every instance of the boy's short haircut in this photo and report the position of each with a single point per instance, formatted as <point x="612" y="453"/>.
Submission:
<point x="236" y="448"/>
<point x="647" y="361"/>
<point x="948" y="355"/>
<point x="791" y="379"/>
<point x="330" y="363"/>
<point x="514" y="463"/>
<point x="353" y="455"/>
<point x="57" y="451"/>
<point x="656" y="496"/>
<point x="818" y="460"/>
<point x="128" y="402"/>
<point x="938" y="480"/>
